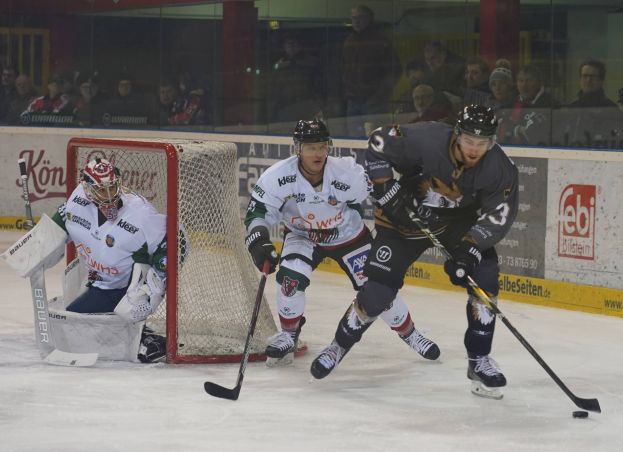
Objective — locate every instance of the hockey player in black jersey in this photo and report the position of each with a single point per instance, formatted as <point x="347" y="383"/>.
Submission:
<point x="464" y="188"/>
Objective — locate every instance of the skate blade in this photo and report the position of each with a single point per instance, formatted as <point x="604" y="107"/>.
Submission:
<point x="479" y="389"/>
<point x="280" y="362"/>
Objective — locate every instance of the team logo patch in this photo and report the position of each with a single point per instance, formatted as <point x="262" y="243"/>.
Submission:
<point x="383" y="254"/>
<point x="332" y="200"/>
<point x="289" y="286"/>
<point x="110" y="240"/>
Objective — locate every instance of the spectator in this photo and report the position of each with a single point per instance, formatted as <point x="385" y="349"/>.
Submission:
<point x="430" y="106"/>
<point x="91" y="104"/>
<point x="417" y="73"/>
<point x="126" y="102"/>
<point x="367" y="63"/>
<point x="55" y="103"/>
<point x="176" y="109"/>
<point x="502" y="87"/>
<point x="7" y="91"/>
<point x="592" y="119"/>
<point x="295" y="83"/>
<point x="591" y="94"/>
<point x="477" y="81"/>
<point x="25" y="93"/>
<point x="529" y="121"/>
<point x="447" y="69"/>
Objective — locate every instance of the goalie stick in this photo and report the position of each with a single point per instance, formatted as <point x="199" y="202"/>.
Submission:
<point x="40" y="302"/>
<point x="585" y="404"/>
<point x="232" y="394"/>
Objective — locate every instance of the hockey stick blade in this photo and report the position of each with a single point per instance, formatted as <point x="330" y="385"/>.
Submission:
<point x="60" y="358"/>
<point x="587" y="404"/>
<point x="221" y="392"/>
<point x="232" y="394"/>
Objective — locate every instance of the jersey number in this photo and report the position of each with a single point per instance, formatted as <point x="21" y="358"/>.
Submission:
<point x="500" y="215"/>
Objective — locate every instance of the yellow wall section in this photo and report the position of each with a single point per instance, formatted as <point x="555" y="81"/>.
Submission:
<point x="542" y="292"/>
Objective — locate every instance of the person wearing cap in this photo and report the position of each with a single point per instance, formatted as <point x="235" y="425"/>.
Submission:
<point x="502" y="88"/>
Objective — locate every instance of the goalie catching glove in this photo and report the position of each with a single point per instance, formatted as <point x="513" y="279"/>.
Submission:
<point x="399" y="205"/>
<point x="261" y="248"/>
<point x="465" y="258"/>
<point x="143" y="296"/>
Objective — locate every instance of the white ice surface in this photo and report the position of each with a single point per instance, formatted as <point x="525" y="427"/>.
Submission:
<point x="383" y="397"/>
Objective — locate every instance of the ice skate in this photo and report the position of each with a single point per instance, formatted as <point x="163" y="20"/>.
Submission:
<point x="153" y="347"/>
<point x="281" y="347"/>
<point x="327" y="360"/>
<point x="425" y="347"/>
<point x="487" y="379"/>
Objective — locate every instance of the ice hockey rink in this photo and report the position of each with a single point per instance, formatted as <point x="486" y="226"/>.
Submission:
<point x="383" y="396"/>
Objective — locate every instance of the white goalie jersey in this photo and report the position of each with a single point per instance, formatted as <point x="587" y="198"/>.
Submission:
<point x="329" y="214"/>
<point x="110" y="250"/>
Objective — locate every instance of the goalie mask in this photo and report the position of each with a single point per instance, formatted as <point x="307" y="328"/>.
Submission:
<point x="102" y="185"/>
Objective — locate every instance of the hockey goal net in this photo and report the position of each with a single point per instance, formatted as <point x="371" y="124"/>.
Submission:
<point x="211" y="281"/>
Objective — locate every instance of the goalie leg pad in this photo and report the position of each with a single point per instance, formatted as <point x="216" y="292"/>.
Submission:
<point x="107" y="335"/>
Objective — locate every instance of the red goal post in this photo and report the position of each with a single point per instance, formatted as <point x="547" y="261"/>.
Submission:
<point x="211" y="281"/>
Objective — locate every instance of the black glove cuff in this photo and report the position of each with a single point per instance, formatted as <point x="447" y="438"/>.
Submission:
<point x="385" y="192"/>
<point x="257" y="234"/>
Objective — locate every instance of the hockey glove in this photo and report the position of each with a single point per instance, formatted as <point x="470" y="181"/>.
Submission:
<point x="465" y="258"/>
<point x="395" y="202"/>
<point x="401" y="207"/>
<point x="261" y="248"/>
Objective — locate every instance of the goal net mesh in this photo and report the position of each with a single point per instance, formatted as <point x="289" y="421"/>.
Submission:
<point x="216" y="282"/>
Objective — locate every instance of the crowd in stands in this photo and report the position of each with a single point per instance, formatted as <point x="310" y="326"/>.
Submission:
<point x="373" y="85"/>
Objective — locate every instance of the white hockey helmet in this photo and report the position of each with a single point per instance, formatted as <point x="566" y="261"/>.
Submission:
<point x="102" y="182"/>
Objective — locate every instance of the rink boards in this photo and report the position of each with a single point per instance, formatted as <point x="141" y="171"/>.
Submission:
<point x="563" y="249"/>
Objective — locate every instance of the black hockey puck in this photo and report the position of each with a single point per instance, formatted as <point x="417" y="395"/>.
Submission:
<point x="580" y="414"/>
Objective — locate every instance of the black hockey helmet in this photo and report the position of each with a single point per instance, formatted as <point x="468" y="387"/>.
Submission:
<point x="314" y="131"/>
<point x="477" y="120"/>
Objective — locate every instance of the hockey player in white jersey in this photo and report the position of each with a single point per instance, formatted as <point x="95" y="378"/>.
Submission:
<point x="120" y="237"/>
<point x="318" y="198"/>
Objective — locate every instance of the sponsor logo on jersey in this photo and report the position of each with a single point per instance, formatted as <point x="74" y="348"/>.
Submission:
<point x="340" y="185"/>
<point x="383" y="254"/>
<point x="259" y="191"/>
<point x="299" y="197"/>
<point x="95" y="267"/>
<point x="287" y="179"/>
<point x="356" y="261"/>
<point x="110" y="241"/>
<point x="127" y="226"/>
<point x="80" y="200"/>
<point x="79" y="220"/>
<point x="576" y="222"/>
<point x="332" y="200"/>
<point x="288" y="286"/>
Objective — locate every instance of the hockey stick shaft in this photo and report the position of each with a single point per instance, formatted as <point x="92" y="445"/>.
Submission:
<point x="232" y="394"/>
<point x="586" y="404"/>
<point x="25" y="192"/>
